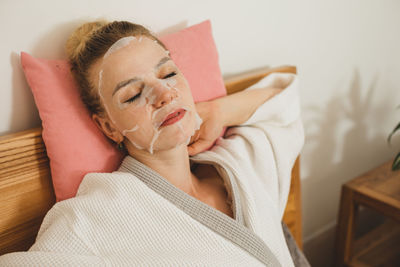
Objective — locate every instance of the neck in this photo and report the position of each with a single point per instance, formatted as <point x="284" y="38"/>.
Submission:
<point x="173" y="165"/>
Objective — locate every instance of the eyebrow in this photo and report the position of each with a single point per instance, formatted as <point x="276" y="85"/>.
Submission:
<point x="134" y="79"/>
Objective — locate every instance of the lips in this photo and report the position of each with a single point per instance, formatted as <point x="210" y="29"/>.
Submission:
<point x="174" y="117"/>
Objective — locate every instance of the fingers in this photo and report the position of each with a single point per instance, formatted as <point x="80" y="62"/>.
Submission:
<point x="194" y="137"/>
<point x="198" y="147"/>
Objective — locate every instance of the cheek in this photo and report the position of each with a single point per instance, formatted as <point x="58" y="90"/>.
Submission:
<point x="139" y="130"/>
<point x="183" y="87"/>
<point x="132" y="120"/>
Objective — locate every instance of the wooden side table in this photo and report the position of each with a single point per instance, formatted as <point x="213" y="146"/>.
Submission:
<point x="377" y="189"/>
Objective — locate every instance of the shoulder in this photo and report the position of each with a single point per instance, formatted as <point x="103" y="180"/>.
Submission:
<point x="100" y="181"/>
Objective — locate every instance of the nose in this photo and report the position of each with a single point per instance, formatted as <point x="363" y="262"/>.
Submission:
<point x="164" y="96"/>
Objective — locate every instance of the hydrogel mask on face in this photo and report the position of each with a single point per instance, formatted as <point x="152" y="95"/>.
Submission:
<point x="147" y="98"/>
<point x="121" y="43"/>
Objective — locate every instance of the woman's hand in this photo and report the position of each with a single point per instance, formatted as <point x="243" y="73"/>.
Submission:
<point x="210" y="129"/>
<point x="230" y="110"/>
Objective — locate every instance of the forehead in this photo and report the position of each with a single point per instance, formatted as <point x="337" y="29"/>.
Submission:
<point x="129" y="55"/>
<point x="139" y="50"/>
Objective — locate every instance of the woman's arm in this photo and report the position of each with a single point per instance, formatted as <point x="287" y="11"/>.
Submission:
<point x="237" y="108"/>
<point x="226" y="111"/>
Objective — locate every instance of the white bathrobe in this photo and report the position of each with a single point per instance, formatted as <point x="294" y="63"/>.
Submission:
<point x="135" y="217"/>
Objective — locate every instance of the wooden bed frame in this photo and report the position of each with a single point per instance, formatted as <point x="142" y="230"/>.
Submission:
<point x="26" y="191"/>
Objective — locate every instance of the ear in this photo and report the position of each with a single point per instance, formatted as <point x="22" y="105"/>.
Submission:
<point x="108" y="128"/>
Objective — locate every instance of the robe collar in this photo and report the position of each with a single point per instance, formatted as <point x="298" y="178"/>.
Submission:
<point x="219" y="222"/>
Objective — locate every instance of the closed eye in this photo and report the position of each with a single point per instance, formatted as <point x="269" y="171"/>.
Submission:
<point x="130" y="100"/>
<point x="170" y="75"/>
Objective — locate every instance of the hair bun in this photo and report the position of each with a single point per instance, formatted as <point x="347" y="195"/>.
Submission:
<point x="77" y="40"/>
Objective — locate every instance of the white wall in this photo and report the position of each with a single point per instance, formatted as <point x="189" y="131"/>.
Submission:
<point x="347" y="54"/>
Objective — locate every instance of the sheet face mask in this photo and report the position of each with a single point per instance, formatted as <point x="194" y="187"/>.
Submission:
<point x="146" y="99"/>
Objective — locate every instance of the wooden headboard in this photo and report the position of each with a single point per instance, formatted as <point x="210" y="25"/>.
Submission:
<point x="26" y="191"/>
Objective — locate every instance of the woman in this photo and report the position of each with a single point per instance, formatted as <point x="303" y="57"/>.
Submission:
<point x="161" y="207"/>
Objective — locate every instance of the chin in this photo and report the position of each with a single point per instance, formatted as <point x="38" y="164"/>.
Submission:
<point x="175" y="138"/>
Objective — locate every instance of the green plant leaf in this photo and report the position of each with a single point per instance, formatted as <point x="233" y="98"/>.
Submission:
<point x="396" y="163"/>
<point x="394" y="130"/>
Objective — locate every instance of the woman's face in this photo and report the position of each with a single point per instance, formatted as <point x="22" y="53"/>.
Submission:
<point x="141" y="88"/>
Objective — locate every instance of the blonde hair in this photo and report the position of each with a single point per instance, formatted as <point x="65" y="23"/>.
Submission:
<point x="89" y="43"/>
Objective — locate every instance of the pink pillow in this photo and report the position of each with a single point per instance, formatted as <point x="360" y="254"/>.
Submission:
<point x="75" y="146"/>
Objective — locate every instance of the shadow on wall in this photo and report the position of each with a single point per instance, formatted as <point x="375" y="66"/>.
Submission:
<point x="363" y="148"/>
<point x="24" y="114"/>
<point x="171" y="29"/>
